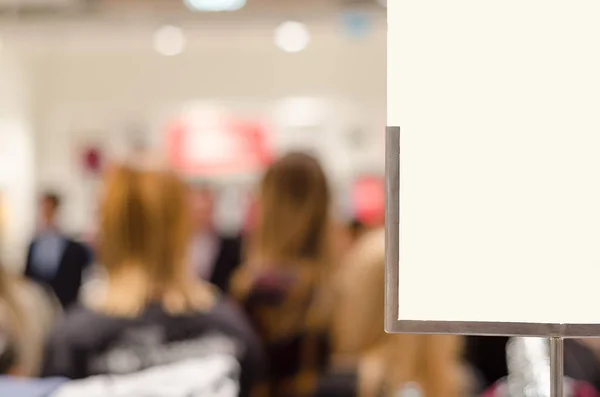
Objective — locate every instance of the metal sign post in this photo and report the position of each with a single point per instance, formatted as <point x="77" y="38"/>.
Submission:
<point x="556" y="366"/>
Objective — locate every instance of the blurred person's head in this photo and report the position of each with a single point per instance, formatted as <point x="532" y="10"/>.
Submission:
<point x="387" y="362"/>
<point x="202" y="203"/>
<point x="49" y="207"/>
<point x="293" y="217"/>
<point x="143" y="239"/>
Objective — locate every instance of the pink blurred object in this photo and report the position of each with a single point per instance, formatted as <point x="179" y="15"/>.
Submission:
<point x="368" y="197"/>
<point x="92" y="160"/>
<point x="241" y="147"/>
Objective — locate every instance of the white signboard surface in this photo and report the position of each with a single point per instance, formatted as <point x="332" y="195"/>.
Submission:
<point x="498" y="102"/>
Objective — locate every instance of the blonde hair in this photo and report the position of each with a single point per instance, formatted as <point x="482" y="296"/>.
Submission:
<point x="143" y="240"/>
<point x="12" y="317"/>
<point x="294" y="213"/>
<point x="387" y="362"/>
<point x="293" y="233"/>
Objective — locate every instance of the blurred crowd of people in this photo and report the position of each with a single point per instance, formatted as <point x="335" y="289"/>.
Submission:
<point x="291" y="307"/>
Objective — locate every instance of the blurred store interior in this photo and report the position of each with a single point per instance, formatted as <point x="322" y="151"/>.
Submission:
<point x="219" y="86"/>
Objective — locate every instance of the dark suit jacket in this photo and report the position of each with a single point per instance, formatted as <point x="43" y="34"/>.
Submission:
<point x="227" y="261"/>
<point x="487" y="356"/>
<point x="68" y="278"/>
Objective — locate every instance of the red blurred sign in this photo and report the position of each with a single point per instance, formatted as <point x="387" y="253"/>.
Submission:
<point x="369" y="200"/>
<point x="223" y="146"/>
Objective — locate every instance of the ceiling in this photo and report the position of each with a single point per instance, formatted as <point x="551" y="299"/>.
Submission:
<point x="36" y="11"/>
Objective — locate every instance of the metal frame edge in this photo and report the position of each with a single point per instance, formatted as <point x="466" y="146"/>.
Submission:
<point x="392" y="226"/>
<point x="393" y="324"/>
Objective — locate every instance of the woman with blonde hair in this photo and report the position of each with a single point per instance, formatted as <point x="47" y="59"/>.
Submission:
<point x="367" y="362"/>
<point x="281" y="282"/>
<point x="152" y="316"/>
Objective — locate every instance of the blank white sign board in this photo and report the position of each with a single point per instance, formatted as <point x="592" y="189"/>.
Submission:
<point x="498" y="190"/>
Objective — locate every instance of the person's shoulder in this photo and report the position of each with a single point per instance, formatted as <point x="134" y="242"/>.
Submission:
<point x="38" y="299"/>
<point x="369" y="248"/>
<point x="80" y="249"/>
<point x="227" y="313"/>
<point x="31" y="290"/>
<point x="372" y="240"/>
<point x="231" y="239"/>
<point x="79" y="326"/>
<point x="74" y="243"/>
<point x="228" y="318"/>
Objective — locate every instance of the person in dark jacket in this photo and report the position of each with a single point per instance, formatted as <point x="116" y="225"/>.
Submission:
<point x="53" y="259"/>
<point x="213" y="257"/>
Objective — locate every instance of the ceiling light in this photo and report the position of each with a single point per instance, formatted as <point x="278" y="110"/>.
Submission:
<point x="169" y="41"/>
<point x="292" y="36"/>
<point x="215" y="5"/>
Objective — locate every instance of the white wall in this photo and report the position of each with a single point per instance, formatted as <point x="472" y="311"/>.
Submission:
<point x="97" y="84"/>
<point x="16" y="160"/>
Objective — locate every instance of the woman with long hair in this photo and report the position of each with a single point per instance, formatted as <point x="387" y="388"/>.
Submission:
<point x="281" y="281"/>
<point x="152" y="316"/>
<point x="367" y="362"/>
